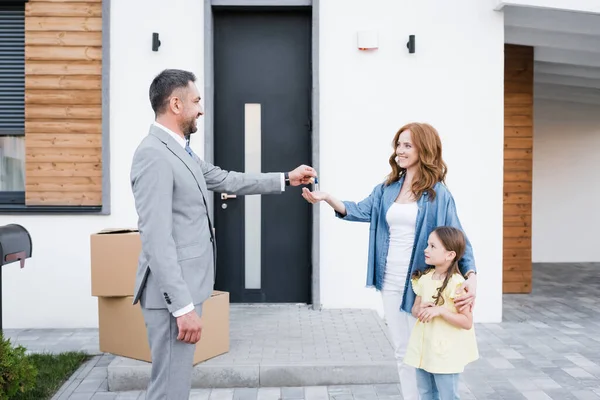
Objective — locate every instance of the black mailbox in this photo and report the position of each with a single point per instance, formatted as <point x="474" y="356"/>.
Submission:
<point x="15" y="245"/>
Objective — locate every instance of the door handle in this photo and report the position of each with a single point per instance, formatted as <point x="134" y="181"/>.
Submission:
<point x="225" y="196"/>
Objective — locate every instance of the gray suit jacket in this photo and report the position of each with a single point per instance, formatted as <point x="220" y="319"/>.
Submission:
<point x="177" y="263"/>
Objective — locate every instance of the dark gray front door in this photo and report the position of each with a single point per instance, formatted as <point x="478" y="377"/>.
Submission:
<point x="262" y="124"/>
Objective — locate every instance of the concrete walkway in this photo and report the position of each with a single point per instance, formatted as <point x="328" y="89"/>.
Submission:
<point x="272" y="346"/>
<point x="548" y="347"/>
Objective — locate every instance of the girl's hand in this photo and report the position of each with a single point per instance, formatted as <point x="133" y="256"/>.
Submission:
<point x="429" y="313"/>
<point x="314" y="197"/>
<point x="425" y="305"/>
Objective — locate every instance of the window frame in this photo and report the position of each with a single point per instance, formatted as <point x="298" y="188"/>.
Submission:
<point x="15" y="198"/>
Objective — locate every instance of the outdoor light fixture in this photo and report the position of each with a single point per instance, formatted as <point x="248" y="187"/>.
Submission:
<point x="411" y="44"/>
<point x="155" y="42"/>
<point x="367" y="40"/>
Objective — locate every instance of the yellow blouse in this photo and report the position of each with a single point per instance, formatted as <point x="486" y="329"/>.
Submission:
<point x="439" y="347"/>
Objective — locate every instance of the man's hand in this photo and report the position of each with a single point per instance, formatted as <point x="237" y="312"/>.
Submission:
<point x="469" y="292"/>
<point x="302" y="175"/>
<point x="190" y="327"/>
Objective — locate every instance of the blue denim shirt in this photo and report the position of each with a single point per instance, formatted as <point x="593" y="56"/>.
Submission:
<point x="441" y="211"/>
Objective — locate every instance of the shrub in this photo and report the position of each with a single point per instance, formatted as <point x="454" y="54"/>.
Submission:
<point x="17" y="373"/>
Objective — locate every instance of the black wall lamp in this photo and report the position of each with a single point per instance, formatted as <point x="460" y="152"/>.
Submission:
<point x="155" y="42"/>
<point x="411" y="44"/>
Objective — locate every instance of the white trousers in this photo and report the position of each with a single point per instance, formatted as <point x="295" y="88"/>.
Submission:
<point x="400" y="325"/>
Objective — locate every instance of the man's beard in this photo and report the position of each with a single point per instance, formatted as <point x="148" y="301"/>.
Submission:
<point x="188" y="127"/>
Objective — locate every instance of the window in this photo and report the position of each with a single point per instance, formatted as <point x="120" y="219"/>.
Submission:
<point x="51" y="107"/>
<point x="12" y="104"/>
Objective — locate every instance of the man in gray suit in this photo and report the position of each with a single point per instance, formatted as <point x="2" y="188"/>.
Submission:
<point x="176" y="266"/>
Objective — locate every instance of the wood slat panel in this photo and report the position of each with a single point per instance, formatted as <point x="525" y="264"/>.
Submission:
<point x="79" y="82"/>
<point x="65" y="1"/>
<point x="518" y="99"/>
<point x="63" y="24"/>
<point x="517" y="154"/>
<point x="515" y="266"/>
<point x="517" y="110"/>
<point x="62" y="68"/>
<point x="518" y="165"/>
<point x="518" y="120"/>
<point x="66" y="97"/>
<point x="63" y="38"/>
<point x="517" y="176"/>
<point x="518" y="263"/>
<point x="53" y="126"/>
<point x="46" y="169"/>
<point x="517" y="187"/>
<point x="517" y="232"/>
<point x="517" y="253"/>
<point x="518" y="168"/>
<point x="518" y="243"/>
<point x="516" y="81"/>
<point x="516" y="287"/>
<point x="524" y="143"/>
<point x="36" y="198"/>
<point x="518" y="131"/>
<point x="519" y="198"/>
<point x="516" y="86"/>
<point x="517" y="210"/>
<point x="63" y="102"/>
<point x="516" y="276"/>
<point x="61" y="140"/>
<point x="65" y="154"/>
<point x="517" y="220"/>
<point x="65" y="184"/>
<point x="63" y="53"/>
<point x="63" y="9"/>
<point x="511" y="50"/>
<point x="36" y="111"/>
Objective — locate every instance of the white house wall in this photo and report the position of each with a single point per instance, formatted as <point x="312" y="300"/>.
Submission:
<point x="566" y="185"/>
<point x="453" y="81"/>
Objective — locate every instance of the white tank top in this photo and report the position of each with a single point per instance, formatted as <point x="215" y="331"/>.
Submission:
<point x="401" y="219"/>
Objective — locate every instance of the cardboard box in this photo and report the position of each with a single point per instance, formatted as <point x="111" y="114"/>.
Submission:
<point x="114" y="260"/>
<point x="123" y="331"/>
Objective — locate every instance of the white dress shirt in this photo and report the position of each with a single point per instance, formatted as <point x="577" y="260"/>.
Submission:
<point x="190" y="307"/>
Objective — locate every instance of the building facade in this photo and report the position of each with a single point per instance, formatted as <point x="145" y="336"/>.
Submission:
<point x="285" y="82"/>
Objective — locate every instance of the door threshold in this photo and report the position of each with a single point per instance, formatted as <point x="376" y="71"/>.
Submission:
<point x="257" y="305"/>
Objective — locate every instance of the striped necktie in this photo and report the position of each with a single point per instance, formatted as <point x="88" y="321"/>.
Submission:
<point x="188" y="148"/>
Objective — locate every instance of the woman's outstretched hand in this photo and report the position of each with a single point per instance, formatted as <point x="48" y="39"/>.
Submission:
<point x="314" y="197"/>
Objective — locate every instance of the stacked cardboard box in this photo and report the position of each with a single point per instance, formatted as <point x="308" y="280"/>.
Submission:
<point x="114" y="259"/>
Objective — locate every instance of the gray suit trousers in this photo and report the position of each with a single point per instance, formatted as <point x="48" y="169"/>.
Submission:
<point x="172" y="359"/>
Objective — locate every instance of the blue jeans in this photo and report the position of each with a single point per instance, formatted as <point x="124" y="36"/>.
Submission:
<point x="437" y="386"/>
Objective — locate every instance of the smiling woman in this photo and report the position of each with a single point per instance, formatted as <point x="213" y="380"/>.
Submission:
<point x="417" y="146"/>
<point x="402" y="212"/>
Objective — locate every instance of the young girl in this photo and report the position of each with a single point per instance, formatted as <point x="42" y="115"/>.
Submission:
<point x="443" y="340"/>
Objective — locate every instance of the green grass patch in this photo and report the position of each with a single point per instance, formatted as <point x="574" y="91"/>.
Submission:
<point x="53" y="371"/>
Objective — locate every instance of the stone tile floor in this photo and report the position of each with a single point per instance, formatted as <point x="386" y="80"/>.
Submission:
<point x="547" y="347"/>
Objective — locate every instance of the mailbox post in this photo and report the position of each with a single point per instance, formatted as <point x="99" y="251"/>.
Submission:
<point x="15" y="245"/>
